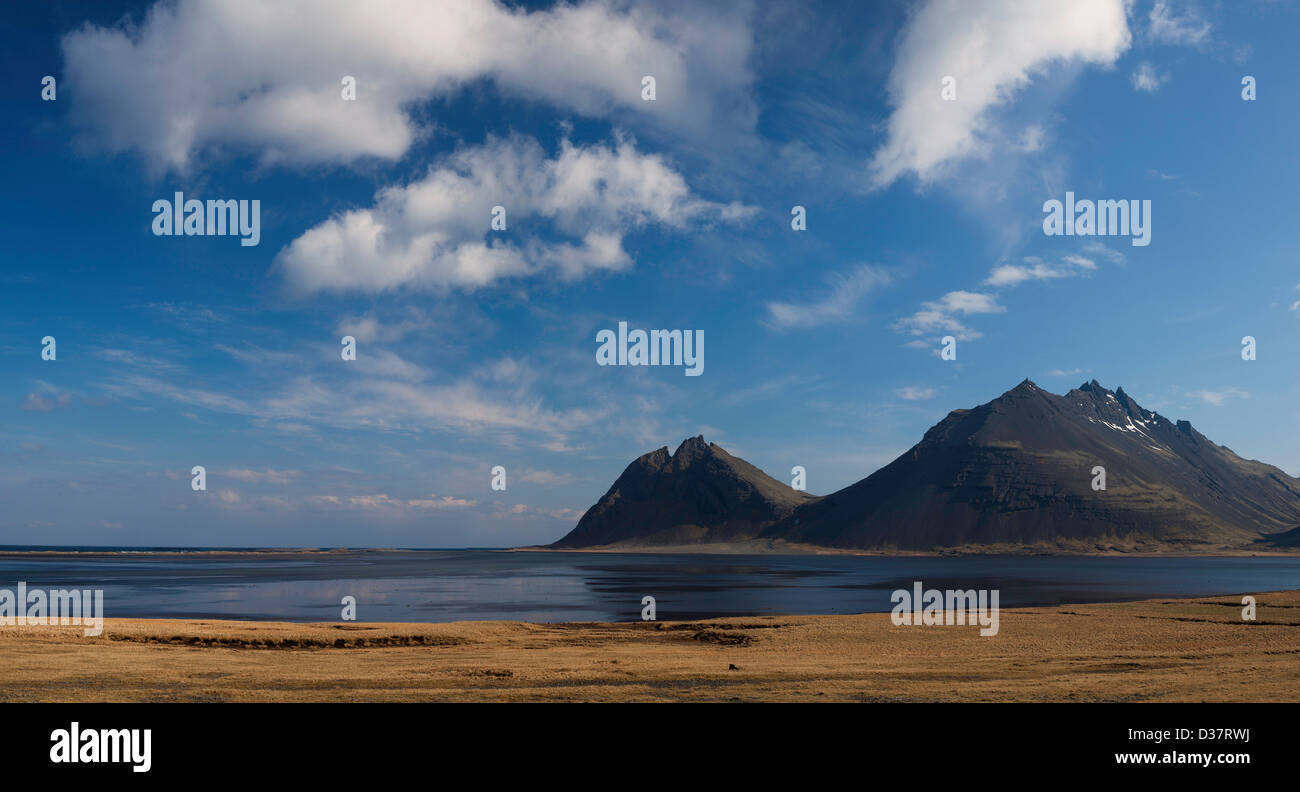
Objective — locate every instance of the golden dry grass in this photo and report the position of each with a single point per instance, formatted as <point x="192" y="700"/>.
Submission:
<point x="1158" y="650"/>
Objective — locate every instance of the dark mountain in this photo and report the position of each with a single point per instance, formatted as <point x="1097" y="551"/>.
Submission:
<point x="1013" y="474"/>
<point x="700" y="493"/>
<point x="1018" y="471"/>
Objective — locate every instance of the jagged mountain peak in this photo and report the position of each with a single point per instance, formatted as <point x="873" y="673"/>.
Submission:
<point x="1019" y="470"/>
<point x="693" y="448"/>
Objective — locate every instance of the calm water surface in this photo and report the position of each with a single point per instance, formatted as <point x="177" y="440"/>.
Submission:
<point x="452" y="585"/>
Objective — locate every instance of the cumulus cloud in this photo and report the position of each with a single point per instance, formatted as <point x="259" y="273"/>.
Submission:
<point x="992" y="49"/>
<point x="836" y="306"/>
<point x="430" y="234"/>
<point x="202" y="75"/>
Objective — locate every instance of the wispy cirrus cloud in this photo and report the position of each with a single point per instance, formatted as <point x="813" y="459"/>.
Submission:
<point x="1147" y="79"/>
<point x="47" y="398"/>
<point x="265" y="476"/>
<point x="1169" y="27"/>
<point x="913" y="393"/>
<point x="1034" y="268"/>
<point x="1218" y="398"/>
<point x="839" y="304"/>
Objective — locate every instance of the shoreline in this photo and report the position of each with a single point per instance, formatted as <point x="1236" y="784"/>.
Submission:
<point x="774" y="548"/>
<point x="1192" y="649"/>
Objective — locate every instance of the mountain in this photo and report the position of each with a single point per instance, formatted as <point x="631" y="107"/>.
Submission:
<point x="1015" y="474"/>
<point x="1018" y="471"/>
<point x="698" y="494"/>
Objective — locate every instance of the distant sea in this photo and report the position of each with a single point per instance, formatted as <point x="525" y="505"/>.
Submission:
<point x="455" y="585"/>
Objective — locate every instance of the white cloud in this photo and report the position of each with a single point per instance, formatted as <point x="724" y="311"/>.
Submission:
<point x="1170" y="29"/>
<point x="544" y="477"/>
<point x="384" y="502"/>
<point x="446" y="502"/>
<point x="837" y="306"/>
<point x="1064" y="372"/>
<point x="1032" y="139"/>
<point x="1035" y="269"/>
<point x="1220" y="397"/>
<point x="1145" y="78"/>
<point x="911" y="393"/>
<point x="430" y="234"/>
<point x="257" y="476"/>
<point x="45" y="402"/>
<point x="941" y="315"/>
<point x="1100" y="249"/>
<point x="464" y="406"/>
<point x="46" y="397"/>
<point x="203" y="75"/>
<point x="369" y="327"/>
<point x="992" y="49"/>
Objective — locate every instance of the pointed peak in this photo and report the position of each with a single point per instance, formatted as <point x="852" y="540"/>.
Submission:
<point x="1026" y="386"/>
<point x="692" y="447"/>
<point x="1129" y="403"/>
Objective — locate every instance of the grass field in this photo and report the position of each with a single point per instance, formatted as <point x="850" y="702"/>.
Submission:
<point x="1157" y="650"/>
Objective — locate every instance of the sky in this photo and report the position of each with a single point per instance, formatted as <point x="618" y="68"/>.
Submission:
<point x="476" y="347"/>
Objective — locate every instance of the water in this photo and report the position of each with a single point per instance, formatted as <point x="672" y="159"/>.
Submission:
<point x="453" y="585"/>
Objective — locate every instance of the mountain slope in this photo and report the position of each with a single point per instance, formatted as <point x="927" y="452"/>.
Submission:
<point x="700" y="493"/>
<point x="1018" y="471"/>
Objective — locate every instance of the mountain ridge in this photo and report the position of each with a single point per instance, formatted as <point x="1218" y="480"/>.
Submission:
<point x="1016" y="471"/>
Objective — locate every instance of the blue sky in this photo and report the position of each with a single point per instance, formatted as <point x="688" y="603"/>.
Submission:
<point x="476" y="348"/>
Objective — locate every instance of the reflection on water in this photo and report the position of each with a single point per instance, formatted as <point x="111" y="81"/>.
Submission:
<point x="454" y="585"/>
